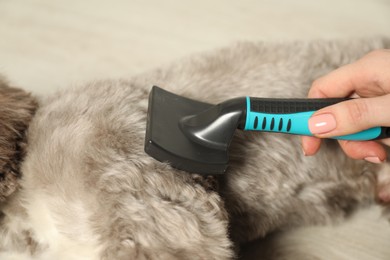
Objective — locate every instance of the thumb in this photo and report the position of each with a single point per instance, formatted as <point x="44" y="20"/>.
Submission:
<point x="351" y="116"/>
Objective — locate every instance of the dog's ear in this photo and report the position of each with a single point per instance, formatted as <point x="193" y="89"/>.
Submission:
<point x="17" y="108"/>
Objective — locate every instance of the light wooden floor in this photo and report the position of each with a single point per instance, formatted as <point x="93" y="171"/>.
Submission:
<point x="48" y="44"/>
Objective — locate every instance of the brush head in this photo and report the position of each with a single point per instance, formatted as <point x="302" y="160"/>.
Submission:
<point x="166" y="141"/>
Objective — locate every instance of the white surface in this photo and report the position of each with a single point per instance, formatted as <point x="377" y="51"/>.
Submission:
<point x="46" y="44"/>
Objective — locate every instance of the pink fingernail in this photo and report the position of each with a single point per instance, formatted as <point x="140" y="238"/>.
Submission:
<point x="373" y="159"/>
<point x="322" y="124"/>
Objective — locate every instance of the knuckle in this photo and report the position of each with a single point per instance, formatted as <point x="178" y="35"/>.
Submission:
<point x="378" y="57"/>
<point x="377" y="53"/>
<point x="316" y="83"/>
<point x="376" y="63"/>
<point x="316" y="88"/>
<point x="357" y="112"/>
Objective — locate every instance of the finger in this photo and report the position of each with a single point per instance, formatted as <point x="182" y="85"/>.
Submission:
<point x="350" y="116"/>
<point x="310" y="145"/>
<point x="367" y="77"/>
<point x="368" y="150"/>
<point x="385" y="141"/>
<point x="335" y="84"/>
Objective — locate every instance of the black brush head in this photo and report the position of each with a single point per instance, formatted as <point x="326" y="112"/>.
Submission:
<point x="166" y="142"/>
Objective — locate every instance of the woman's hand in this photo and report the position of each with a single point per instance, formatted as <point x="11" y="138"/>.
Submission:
<point x="368" y="78"/>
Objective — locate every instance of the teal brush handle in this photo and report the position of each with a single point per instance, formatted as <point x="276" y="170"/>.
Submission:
<point x="291" y="116"/>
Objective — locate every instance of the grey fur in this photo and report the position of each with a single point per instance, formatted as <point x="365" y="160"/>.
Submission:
<point x="90" y="192"/>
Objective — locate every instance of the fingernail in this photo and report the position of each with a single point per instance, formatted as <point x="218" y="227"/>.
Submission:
<point x="373" y="159"/>
<point x="322" y="124"/>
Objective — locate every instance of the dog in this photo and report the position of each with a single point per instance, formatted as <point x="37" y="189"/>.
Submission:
<point x="90" y="192"/>
<point x="17" y="108"/>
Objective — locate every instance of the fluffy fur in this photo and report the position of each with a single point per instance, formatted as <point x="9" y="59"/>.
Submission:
<point x="16" y="110"/>
<point x="90" y="192"/>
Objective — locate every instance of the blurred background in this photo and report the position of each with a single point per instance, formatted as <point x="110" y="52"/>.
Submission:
<point x="48" y="44"/>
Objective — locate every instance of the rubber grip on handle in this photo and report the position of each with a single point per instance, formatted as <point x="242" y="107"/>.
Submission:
<point x="289" y="106"/>
<point x="291" y="116"/>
